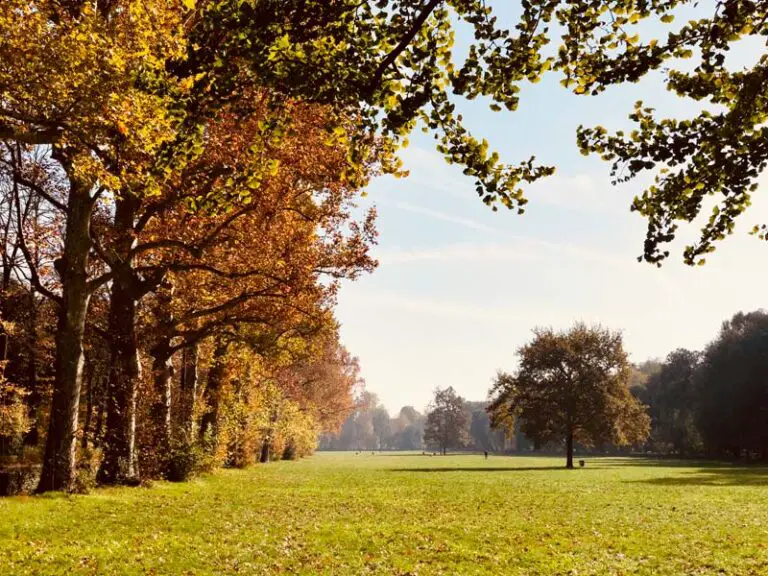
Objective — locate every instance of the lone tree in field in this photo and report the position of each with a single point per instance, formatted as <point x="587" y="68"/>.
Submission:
<point x="571" y="385"/>
<point x="447" y="422"/>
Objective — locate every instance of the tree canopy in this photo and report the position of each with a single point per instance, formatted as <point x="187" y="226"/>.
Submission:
<point x="447" y="425"/>
<point x="571" y="386"/>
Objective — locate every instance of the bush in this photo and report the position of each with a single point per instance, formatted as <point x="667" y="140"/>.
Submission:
<point x="19" y="478"/>
<point x="289" y="453"/>
<point x="185" y="461"/>
<point x="88" y="462"/>
<point x="14" y="422"/>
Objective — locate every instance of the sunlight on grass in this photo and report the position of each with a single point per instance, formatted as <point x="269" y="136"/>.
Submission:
<point x="406" y="514"/>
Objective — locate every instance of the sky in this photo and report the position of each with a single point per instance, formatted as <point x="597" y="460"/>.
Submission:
<point x="459" y="287"/>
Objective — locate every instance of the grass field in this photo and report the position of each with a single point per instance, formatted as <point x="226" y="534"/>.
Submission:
<point x="405" y="514"/>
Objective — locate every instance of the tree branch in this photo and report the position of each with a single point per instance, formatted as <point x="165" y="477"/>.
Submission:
<point x="402" y="45"/>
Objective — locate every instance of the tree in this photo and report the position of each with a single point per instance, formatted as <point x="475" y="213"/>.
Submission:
<point x="408" y="429"/>
<point x="14" y="421"/>
<point x="119" y="134"/>
<point x="404" y="72"/>
<point x="672" y="399"/>
<point x="382" y="426"/>
<point x="719" y="152"/>
<point x="571" y="386"/>
<point x="731" y="390"/>
<point x="447" y="424"/>
<point x="98" y="122"/>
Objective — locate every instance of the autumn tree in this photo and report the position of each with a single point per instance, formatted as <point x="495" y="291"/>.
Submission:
<point x="571" y="386"/>
<point x="482" y="436"/>
<point x="447" y="424"/>
<point x="14" y="421"/>
<point x="99" y="125"/>
<point x="127" y="162"/>
<point x="272" y="262"/>
<point x="404" y="66"/>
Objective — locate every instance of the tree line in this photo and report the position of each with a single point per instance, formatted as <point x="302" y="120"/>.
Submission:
<point x="712" y="402"/>
<point x="179" y="180"/>
<point x="575" y="390"/>
<point x="369" y="427"/>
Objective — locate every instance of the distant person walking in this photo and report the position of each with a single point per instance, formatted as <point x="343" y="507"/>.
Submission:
<point x="486" y="454"/>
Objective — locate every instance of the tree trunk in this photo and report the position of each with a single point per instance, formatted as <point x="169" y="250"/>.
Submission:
<point x="189" y="377"/>
<point x="89" y="405"/>
<point x="569" y="450"/>
<point x="265" y="446"/>
<point x="32" y="438"/>
<point x="119" y="464"/>
<point x="155" y="460"/>
<point x="162" y="369"/>
<point x="61" y="442"/>
<point x="162" y="375"/>
<point x="209" y="423"/>
<point x="97" y="435"/>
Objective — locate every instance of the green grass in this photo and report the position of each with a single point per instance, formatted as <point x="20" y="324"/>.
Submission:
<point x="405" y="514"/>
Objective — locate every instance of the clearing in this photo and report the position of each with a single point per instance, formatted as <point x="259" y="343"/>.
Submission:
<point x="396" y="513"/>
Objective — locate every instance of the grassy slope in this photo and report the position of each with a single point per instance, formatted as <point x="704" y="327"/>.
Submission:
<point x="405" y="514"/>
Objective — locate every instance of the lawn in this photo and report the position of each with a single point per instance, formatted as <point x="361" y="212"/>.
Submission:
<point x="405" y="514"/>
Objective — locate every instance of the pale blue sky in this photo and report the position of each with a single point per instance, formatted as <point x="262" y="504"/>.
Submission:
<point x="459" y="288"/>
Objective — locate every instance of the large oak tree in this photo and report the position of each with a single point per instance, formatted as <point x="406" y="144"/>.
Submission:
<point x="571" y="386"/>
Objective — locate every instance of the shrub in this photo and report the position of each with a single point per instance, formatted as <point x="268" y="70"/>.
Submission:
<point x="289" y="453"/>
<point x="14" y="422"/>
<point x="18" y="478"/>
<point x="88" y="462"/>
<point x="186" y="460"/>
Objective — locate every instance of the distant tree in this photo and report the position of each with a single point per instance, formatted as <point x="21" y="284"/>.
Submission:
<point x="571" y="385"/>
<point x="672" y="401"/>
<point x="447" y="421"/>
<point x="641" y="373"/>
<point x="480" y="430"/>
<point x="732" y="391"/>
<point x="409" y="415"/>
<point x="381" y="426"/>
<point x="408" y="429"/>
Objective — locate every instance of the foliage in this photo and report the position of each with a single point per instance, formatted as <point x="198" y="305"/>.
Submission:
<point x="571" y="385"/>
<point x="405" y="71"/>
<point x="182" y="174"/>
<point x="14" y="421"/>
<point x="672" y="399"/>
<point x="718" y="152"/>
<point x="712" y="402"/>
<point x="450" y="515"/>
<point x="730" y="388"/>
<point x="88" y="463"/>
<point x="18" y="478"/>
<point x="358" y="432"/>
<point x="408" y="430"/>
<point x="447" y="424"/>
<point x="185" y="460"/>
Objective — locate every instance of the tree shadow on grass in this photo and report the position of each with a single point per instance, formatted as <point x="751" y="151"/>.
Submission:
<point x="429" y="454"/>
<point x="713" y="476"/>
<point x="657" y="462"/>
<point x="483" y="469"/>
